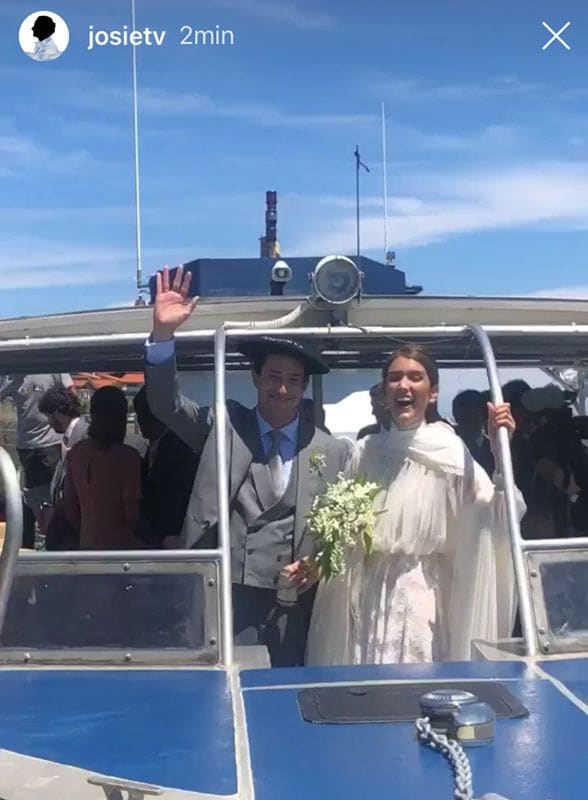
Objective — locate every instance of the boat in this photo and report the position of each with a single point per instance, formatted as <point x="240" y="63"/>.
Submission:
<point x="105" y="694"/>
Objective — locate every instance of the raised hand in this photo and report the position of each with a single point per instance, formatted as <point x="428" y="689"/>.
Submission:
<point x="172" y="304"/>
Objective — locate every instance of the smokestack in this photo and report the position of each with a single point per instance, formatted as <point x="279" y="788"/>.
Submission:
<point x="268" y="244"/>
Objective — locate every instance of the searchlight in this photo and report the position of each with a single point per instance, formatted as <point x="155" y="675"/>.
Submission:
<point x="336" y="280"/>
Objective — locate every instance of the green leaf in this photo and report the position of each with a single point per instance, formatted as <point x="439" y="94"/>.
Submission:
<point x="368" y="541"/>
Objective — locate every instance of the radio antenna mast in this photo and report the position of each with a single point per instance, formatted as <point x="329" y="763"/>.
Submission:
<point x="385" y="173"/>
<point x="139" y="267"/>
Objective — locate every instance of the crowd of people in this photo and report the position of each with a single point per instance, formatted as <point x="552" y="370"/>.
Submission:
<point x="439" y="573"/>
<point x="84" y="486"/>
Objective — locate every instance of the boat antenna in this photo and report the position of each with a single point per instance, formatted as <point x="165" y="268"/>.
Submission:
<point x="139" y="267"/>
<point x="385" y="173"/>
<point x="358" y="163"/>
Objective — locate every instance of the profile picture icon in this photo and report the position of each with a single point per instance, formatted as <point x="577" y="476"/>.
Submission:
<point x="43" y="36"/>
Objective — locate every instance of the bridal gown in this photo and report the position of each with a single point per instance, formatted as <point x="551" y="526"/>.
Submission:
<point x="440" y="571"/>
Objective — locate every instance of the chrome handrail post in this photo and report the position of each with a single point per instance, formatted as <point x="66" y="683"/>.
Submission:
<point x="13" y="533"/>
<point x="222" y="495"/>
<point x="505" y="460"/>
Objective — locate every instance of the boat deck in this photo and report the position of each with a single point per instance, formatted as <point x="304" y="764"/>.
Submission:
<point x="174" y="728"/>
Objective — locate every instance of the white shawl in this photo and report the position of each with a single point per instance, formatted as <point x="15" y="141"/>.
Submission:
<point x="436" y="500"/>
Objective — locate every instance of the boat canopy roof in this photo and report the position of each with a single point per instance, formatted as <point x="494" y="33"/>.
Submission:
<point x="523" y="331"/>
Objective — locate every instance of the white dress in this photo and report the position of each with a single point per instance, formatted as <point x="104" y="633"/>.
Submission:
<point x="440" y="572"/>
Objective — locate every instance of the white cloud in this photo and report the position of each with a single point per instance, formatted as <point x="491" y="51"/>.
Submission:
<point x="163" y="102"/>
<point x="565" y="292"/>
<point x="55" y="264"/>
<point x="128" y="303"/>
<point x="492" y="136"/>
<point x="415" y="90"/>
<point x="554" y="194"/>
<point x="21" y="153"/>
<point x="281" y="11"/>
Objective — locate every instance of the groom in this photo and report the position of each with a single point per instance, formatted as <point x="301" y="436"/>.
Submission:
<point x="272" y="485"/>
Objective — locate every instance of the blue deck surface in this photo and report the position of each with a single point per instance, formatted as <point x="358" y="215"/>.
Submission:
<point x="542" y="757"/>
<point x="157" y="726"/>
<point x="572" y="672"/>
<point x="175" y="728"/>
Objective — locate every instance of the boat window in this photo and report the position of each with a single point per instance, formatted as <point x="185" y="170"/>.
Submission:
<point x="109" y="612"/>
<point x="559" y="586"/>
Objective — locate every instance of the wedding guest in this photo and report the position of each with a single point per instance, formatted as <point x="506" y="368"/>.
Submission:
<point x="103" y="478"/>
<point x="380" y="412"/>
<point x="167" y="474"/>
<point x="62" y="410"/>
<point x="468" y="412"/>
<point x="38" y="445"/>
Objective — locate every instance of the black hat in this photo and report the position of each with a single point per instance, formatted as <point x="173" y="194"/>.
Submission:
<point x="260" y="346"/>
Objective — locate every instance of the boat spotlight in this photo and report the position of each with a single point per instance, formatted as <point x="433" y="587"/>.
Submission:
<point x="336" y="280"/>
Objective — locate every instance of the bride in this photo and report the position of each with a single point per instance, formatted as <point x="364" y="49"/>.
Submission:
<point x="440" y="571"/>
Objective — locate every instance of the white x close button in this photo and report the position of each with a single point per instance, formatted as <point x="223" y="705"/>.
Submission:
<point x="556" y="37"/>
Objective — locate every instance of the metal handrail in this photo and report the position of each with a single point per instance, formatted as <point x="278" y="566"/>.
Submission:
<point x="13" y="532"/>
<point x="244" y="330"/>
<point x="565" y="543"/>
<point x="222" y="497"/>
<point x="222" y="477"/>
<point x="481" y="335"/>
<point x="120" y="556"/>
<point x="505" y="460"/>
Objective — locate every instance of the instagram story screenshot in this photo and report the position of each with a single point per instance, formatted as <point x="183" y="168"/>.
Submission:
<point x="303" y="506"/>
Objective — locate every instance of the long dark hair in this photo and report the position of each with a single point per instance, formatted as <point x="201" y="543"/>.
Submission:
<point x="108" y="417"/>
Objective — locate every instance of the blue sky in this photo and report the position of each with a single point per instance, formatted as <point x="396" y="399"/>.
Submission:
<point x="487" y="144"/>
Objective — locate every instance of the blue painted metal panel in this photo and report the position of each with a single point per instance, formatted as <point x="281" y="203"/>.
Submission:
<point x="389" y="672"/>
<point x="573" y="673"/>
<point x="172" y="728"/>
<point x="541" y="757"/>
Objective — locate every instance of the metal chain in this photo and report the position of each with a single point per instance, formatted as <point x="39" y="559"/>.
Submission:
<point x="454" y="753"/>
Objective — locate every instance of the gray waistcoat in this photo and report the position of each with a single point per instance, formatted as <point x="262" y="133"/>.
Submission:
<point x="262" y="537"/>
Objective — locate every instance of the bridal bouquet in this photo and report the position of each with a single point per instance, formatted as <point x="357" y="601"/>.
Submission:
<point x="340" y="518"/>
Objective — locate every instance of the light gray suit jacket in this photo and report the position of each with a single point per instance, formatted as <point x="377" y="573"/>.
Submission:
<point x="195" y="425"/>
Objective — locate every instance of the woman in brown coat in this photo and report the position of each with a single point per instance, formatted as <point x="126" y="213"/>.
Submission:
<point x="103" y="478"/>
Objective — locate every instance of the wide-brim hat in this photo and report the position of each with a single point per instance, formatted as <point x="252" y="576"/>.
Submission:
<point x="259" y="346"/>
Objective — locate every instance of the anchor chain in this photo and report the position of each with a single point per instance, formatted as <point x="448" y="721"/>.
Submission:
<point x="456" y="755"/>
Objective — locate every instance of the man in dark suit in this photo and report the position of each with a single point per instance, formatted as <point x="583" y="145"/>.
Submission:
<point x="468" y="412"/>
<point x="167" y="474"/>
<point x="271" y="476"/>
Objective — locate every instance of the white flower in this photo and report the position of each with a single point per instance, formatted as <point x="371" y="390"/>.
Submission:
<point x="340" y="518"/>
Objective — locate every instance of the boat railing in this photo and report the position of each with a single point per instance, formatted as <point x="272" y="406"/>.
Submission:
<point x="482" y="334"/>
<point x="13" y="530"/>
<point x="220" y="556"/>
<point x="506" y="469"/>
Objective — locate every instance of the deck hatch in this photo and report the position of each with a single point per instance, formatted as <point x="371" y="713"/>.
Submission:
<point x="395" y="702"/>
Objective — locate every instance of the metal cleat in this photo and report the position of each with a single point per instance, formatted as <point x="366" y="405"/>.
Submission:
<point x="124" y="790"/>
<point x="493" y="796"/>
